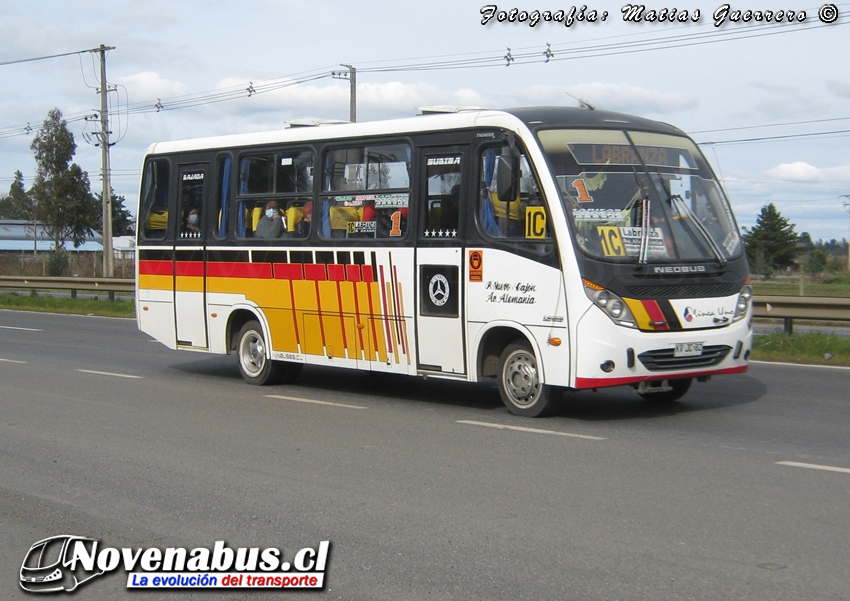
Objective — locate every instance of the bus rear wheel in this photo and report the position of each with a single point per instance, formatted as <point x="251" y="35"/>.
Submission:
<point x="254" y="364"/>
<point x="520" y="387"/>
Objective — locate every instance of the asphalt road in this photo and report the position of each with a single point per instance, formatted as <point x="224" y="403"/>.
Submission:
<point x="425" y="489"/>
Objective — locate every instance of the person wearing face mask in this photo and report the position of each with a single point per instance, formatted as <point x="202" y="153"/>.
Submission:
<point x="193" y="224"/>
<point x="271" y="224"/>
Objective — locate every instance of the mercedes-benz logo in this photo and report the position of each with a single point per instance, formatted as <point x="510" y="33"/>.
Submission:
<point x="439" y="290"/>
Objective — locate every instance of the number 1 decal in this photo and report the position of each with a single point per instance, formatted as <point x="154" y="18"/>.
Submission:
<point x="581" y="188"/>
<point x="396" y="220"/>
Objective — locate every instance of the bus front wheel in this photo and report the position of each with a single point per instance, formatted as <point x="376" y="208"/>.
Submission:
<point x="254" y="365"/>
<point x="520" y="387"/>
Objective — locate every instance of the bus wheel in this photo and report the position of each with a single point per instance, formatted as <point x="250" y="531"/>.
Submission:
<point x="519" y="383"/>
<point x="255" y="367"/>
<point x="675" y="391"/>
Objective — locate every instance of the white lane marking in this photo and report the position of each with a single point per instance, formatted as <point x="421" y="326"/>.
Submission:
<point x="12" y="361"/>
<point x="313" y="401"/>
<point x="814" y="466"/>
<point x="526" y="429"/>
<point x="108" y="373"/>
<point x="781" y="364"/>
<point x="22" y="329"/>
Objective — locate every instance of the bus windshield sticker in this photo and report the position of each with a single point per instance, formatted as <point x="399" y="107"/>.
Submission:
<point x="362" y="227"/>
<point x="600" y="215"/>
<point x="391" y="201"/>
<point x="582" y="194"/>
<point x="625" y="241"/>
<point x="535" y="223"/>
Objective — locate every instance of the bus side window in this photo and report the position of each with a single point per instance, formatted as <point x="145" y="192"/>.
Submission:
<point x="155" y="200"/>
<point x="524" y="217"/>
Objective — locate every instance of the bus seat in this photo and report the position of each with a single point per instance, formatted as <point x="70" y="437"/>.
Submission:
<point x="501" y="210"/>
<point x="256" y="214"/>
<point x="342" y="216"/>
<point x="293" y="216"/>
<point x="157" y="220"/>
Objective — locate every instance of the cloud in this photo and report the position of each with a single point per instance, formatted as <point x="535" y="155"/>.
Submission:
<point x="839" y="88"/>
<point x="149" y="85"/>
<point x="801" y="171"/>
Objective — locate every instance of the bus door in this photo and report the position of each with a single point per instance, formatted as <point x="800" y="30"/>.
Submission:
<point x="190" y="316"/>
<point x="439" y="261"/>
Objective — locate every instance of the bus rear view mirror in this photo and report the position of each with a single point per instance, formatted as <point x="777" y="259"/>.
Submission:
<point x="507" y="178"/>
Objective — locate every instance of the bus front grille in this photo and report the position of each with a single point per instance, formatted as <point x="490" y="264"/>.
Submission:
<point x="683" y="291"/>
<point x="663" y="359"/>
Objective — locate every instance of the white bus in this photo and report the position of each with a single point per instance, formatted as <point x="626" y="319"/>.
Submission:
<point x="547" y="248"/>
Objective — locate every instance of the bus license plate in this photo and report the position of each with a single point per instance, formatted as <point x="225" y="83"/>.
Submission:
<point x="688" y="349"/>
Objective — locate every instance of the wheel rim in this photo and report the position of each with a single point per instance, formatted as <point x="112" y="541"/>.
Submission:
<point x="521" y="382"/>
<point x="252" y="353"/>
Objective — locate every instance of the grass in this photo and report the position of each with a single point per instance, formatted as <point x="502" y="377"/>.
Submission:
<point x="815" y="349"/>
<point x="80" y="306"/>
<point x="834" y="286"/>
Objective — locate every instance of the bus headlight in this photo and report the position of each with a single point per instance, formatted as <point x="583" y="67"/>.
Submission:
<point x="610" y="303"/>
<point x="743" y="305"/>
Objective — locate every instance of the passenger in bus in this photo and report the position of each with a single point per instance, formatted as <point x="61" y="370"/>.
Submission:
<point x="271" y="224"/>
<point x="192" y="226"/>
<point x="302" y="228"/>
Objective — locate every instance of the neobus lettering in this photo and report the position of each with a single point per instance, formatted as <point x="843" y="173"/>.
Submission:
<point x="725" y="12"/>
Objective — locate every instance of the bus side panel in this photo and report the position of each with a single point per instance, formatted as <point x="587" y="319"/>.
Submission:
<point x="524" y="295"/>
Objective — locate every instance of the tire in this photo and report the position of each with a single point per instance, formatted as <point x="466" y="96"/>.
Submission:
<point x="678" y="389"/>
<point x="254" y="364"/>
<point x="519" y="383"/>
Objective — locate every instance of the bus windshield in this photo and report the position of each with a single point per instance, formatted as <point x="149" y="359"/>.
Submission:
<point x="640" y="197"/>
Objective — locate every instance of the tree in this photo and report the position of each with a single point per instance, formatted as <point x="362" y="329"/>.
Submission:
<point x="123" y="223"/>
<point x="61" y="192"/>
<point x="18" y="204"/>
<point x="817" y="264"/>
<point x="772" y="244"/>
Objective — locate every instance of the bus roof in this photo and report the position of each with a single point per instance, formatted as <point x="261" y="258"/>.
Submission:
<point x="532" y="117"/>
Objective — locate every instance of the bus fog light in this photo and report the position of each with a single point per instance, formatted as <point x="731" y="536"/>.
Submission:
<point x="607" y="366"/>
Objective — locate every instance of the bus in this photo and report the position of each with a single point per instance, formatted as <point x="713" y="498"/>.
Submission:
<point x="544" y="248"/>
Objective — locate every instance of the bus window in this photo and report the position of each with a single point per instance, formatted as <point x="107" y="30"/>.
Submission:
<point x="442" y="205"/>
<point x="223" y="196"/>
<point x="524" y="218"/>
<point x="191" y="202"/>
<point x="284" y="177"/>
<point x="154" y="205"/>
<point x="366" y="192"/>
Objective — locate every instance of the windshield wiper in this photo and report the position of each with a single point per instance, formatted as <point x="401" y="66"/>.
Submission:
<point x="646" y="225"/>
<point x="684" y="210"/>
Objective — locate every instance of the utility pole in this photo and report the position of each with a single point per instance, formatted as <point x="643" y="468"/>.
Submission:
<point x="847" y="208"/>
<point x="352" y="77"/>
<point x="108" y="259"/>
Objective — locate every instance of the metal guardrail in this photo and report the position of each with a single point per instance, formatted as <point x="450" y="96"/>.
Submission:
<point x="790" y="308"/>
<point x="108" y="285"/>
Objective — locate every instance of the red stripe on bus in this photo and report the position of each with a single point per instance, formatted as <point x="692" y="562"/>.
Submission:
<point x="352" y="273"/>
<point x="315" y="271"/>
<point x="655" y="314"/>
<point x="288" y="271"/>
<point x="368" y="274"/>
<point x="189" y="268"/>
<point x="584" y="383"/>
<point x="336" y="273"/>
<point x="156" y="267"/>
<point x="239" y="270"/>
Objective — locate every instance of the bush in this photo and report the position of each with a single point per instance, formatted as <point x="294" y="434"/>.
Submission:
<point x="58" y="263"/>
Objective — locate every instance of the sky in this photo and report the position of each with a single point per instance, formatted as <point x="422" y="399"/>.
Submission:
<point x="768" y="101"/>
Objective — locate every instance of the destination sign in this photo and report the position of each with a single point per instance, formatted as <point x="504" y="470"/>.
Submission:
<point x="623" y="154"/>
